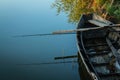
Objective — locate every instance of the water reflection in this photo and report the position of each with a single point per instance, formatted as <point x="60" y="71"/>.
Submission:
<point x="34" y="17"/>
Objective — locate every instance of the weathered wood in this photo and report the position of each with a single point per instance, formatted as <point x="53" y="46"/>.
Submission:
<point x="102" y="23"/>
<point x="98" y="54"/>
<point x="99" y="18"/>
<point x="114" y="51"/>
<point x="95" y="22"/>
<point x="96" y="45"/>
<point x="109" y="75"/>
<point x="117" y="29"/>
<point x="100" y="64"/>
<point x="76" y="30"/>
<point x="98" y="60"/>
<point x="98" y="23"/>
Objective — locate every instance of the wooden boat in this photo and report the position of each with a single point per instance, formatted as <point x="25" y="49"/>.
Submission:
<point x="99" y="50"/>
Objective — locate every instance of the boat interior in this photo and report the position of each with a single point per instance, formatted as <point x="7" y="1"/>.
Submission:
<point x="100" y="49"/>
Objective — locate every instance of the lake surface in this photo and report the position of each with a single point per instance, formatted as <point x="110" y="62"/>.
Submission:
<point x="19" y="17"/>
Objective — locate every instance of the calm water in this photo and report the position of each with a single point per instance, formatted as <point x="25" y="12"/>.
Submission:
<point x="19" y="17"/>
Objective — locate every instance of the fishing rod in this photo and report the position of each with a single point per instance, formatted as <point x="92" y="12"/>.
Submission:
<point x="62" y="32"/>
<point x="49" y="34"/>
<point x="74" y="31"/>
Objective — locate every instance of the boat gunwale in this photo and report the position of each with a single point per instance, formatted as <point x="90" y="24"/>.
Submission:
<point x="81" y="56"/>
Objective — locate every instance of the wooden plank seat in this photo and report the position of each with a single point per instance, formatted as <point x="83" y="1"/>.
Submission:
<point x="98" y="23"/>
<point x="103" y="23"/>
<point x="100" y="64"/>
<point x="108" y="75"/>
<point x="98" y="54"/>
<point x="95" y="45"/>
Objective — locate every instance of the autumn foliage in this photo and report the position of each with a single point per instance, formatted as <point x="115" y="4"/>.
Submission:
<point x="74" y="8"/>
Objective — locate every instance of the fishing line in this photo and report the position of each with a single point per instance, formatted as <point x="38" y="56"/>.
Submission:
<point x="62" y="62"/>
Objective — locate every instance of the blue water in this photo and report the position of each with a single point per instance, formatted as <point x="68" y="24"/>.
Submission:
<point x="19" y="17"/>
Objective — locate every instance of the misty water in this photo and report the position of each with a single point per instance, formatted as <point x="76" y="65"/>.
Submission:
<point x="19" y="17"/>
